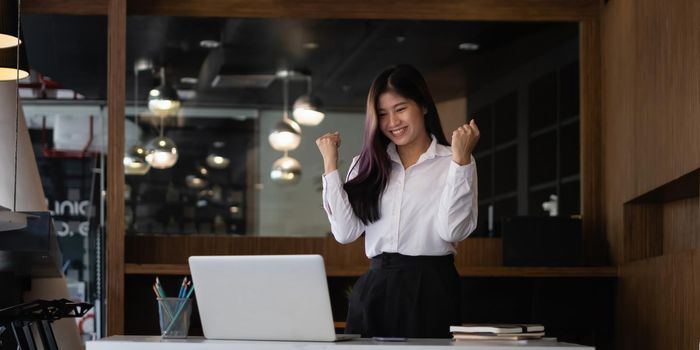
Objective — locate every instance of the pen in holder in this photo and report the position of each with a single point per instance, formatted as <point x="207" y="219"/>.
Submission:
<point x="174" y="317"/>
<point x="174" y="313"/>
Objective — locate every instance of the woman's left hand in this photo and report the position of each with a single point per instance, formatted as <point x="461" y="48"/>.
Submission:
<point x="464" y="140"/>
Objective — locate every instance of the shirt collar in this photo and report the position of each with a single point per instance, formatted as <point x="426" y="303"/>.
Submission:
<point x="433" y="150"/>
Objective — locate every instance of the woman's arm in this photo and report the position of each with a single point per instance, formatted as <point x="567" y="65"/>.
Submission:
<point x="458" y="207"/>
<point x="345" y="225"/>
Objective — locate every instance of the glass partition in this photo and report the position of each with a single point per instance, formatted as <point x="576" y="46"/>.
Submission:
<point x="63" y="102"/>
<point x="211" y="100"/>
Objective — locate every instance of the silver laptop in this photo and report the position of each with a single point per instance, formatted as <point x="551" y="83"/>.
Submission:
<point x="264" y="297"/>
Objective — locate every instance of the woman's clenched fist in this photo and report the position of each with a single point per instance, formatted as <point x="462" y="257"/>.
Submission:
<point x="328" y="146"/>
<point x="464" y="140"/>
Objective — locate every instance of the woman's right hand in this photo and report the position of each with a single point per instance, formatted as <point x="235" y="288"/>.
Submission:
<point x="328" y="145"/>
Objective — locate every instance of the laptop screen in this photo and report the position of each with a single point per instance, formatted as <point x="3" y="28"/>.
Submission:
<point x="263" y="297"/>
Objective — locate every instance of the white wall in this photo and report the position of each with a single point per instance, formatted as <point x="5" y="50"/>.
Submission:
<point x="296" y="210"/>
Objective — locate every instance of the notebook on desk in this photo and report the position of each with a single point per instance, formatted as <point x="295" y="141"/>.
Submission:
<point x="264" y="297"/>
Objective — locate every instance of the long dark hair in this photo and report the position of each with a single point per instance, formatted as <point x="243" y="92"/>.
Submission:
<point x="373" y="166"/>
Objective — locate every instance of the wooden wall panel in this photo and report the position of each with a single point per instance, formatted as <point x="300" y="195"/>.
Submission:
<point x="681" y="220"/>
<point x="66" y="7"/>
<point x="175" y="249"/>
<point x="595" y="251"/>
<point x="547" y="10"/>
<point x="116" y="76"/>
<point x="643" y="234"/>
<point x="540" y="10"/>
<point x="651" y="110"/>
<point x="659" y="303"/>
<point x="618" y="77"/>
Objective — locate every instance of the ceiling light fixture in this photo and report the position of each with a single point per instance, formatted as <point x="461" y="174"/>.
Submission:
<point x="468" y="46"/>
<point x="13" y="220"/>
<point x="286" y="135"/>
<point x="209" y="44"/>
<point x="135" y="161"/>
<point x="8" y="24"/>
<point x="163" y="99"/>
<point x="13" y="63"/>
<point x="198" y="179"/>
<point x="135" y="156"/>
<point x="286" y="170"/>
<point x="189" y="80"/>
<point x="307" y="108"/>
<point x="217" y="156"/>
<point x="162" y="152"/>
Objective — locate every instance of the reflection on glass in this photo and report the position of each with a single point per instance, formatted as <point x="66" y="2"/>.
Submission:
<point x="135" y="161"/>
<point x="286" y="170"/>
<point x="216" y="158"/>
<point x="163" y="100"/>
<point x="162" y="153"/>
<point x="195" y="182"/>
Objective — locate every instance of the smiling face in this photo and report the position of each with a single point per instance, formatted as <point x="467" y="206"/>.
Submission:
<point x="401" y="119"/>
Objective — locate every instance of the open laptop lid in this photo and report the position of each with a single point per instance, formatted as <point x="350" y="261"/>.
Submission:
<point x="263" y="297"/>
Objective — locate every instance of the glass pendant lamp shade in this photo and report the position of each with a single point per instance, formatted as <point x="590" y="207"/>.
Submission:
<point x="161" y="153"/>
<point x="195" y="182"/>
<point x="163" y="100"/>
<point x="8" y="23"/>
<point x="216" y="158"/>
<point x="285" y="136"/>
<point x="286" y="170"/>
<point x="135" y="161"/>
<point x="8" y="63"/>
<point x="307" y="110"/>
<point x="217" y="161"/>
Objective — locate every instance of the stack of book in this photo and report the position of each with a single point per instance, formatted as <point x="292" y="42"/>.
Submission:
<point x="497" y="331"/>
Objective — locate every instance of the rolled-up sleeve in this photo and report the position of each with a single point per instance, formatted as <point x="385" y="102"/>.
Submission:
<point x="345" y="225"/>
<point x="458" y="208"/>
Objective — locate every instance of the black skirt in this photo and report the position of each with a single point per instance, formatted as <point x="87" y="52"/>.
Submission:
<point x="406" y="296"/>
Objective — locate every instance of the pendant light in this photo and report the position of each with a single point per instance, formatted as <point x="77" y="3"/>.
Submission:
<point x="13" y="63"/>
<point x="13" y="220"/>
<point x="135" y="156"/>
<point x="197" y="180"/>
<point x="286" y="170"/>
<point x="307" y="108"/>
<point x="161" y="152"/>
<point x="286" y="135"/>
<point x="8" y="24"/>
<point x="217" y="158"/>
<point x="163" y="100"/>
<point x="135" y="161"/>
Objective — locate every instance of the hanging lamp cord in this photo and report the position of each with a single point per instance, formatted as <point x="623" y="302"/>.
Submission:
<point x="285" y="97"/>
<point x="14" y="195"/>
<point x="136" y="95"/>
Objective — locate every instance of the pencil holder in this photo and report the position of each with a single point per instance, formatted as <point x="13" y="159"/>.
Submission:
<point x="174" y="317"/>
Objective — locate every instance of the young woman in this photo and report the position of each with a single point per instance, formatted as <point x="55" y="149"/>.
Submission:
<point x="414" y="197"/>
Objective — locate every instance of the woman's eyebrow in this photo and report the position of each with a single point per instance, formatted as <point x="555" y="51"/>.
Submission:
<point x="396" y="105"/>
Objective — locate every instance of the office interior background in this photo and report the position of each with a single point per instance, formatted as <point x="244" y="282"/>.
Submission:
<point x="588" y="105"/>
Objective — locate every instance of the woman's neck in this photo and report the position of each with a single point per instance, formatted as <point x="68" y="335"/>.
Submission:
<point x="410" y="153"/>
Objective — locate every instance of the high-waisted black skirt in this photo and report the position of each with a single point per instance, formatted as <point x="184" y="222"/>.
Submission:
<point x="406" y="296"/>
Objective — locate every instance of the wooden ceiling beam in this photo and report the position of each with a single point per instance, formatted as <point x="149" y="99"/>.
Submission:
<point x="493" y="10"/>
<point x="65" y="7"/>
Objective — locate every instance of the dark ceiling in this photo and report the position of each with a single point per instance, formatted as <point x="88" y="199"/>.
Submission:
<point x="349" y="53"/>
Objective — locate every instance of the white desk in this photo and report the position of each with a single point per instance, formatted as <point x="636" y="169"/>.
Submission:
<point x="199" y="343"/>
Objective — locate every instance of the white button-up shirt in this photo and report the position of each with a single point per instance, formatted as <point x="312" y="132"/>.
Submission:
<point x="424" y="210"/>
